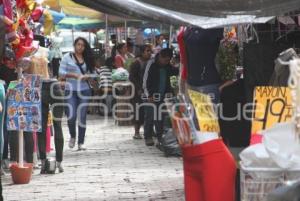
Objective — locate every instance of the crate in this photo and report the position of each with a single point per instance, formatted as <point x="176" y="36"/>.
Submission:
<point x="257" y="183"/>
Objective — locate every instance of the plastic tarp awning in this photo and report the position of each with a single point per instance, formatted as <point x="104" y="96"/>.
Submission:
<point x="71" y="8"/>
<point x="228" y="7"/>
<point x="216" y="14"/>
<point x="80" y="24"/>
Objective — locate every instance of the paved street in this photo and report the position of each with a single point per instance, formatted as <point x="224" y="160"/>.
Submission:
<point x="115" y="167"/>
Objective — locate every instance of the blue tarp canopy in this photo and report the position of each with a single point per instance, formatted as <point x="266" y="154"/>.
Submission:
<point x="80" y="24"/>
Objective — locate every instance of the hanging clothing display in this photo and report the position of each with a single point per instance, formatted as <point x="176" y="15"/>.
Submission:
<point x="258" y="59"/>
<point x="209" y="172"/>
<point x="55" y="54"/>
<point x="235" y="129"/>
<point x="281" y="72"/>
<point x="183" y="56"/>
<point x="201" y="49"/>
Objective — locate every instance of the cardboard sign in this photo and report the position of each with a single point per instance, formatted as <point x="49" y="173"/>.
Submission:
<point x="207" y="118"/>
<point x="271" y="105"/>
<point x="24" y="105"/>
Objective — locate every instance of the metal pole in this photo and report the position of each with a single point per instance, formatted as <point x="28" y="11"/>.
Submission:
<point x="153" y="36"/>
<point x="21" y="134"/>
<point x="170" y="36"/>
<point x="73" y="34"/>
<point x="125" y="24"/>
<point x="21" y="147"/>
<point x="106" y="46"/>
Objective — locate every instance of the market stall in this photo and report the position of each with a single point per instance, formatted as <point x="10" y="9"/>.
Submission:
<point x="254" y="45"/>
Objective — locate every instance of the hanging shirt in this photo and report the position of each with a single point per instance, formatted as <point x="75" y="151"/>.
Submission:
<point x="55" y="51"/>
<point x="183" y="56"/>
<point x="202" y="46"/>
<point x="68" y="65"/>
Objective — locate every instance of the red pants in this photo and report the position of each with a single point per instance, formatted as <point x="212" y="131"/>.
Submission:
<point x="209" y="172"/>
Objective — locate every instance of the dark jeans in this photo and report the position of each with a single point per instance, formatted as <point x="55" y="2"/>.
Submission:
<point x="153" y="117"/>
<point x="5" y="137"/>
<point x="77" y="104"/>
<point x="52" y="94"/>
<point x="13" y="137"/>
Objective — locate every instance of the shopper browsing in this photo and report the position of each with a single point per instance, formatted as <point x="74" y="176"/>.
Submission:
<point x="156" y="85"/>
<point x="136" y="74"/>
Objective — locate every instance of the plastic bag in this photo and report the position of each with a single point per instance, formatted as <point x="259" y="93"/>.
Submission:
<point x="256" y="156"/>
<point x="170" y="144"/>
<point x="282" y="145"/>
<point x="120" y="74"/>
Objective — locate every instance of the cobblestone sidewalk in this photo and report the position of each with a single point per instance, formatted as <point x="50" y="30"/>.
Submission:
<point x="115" y="167"/>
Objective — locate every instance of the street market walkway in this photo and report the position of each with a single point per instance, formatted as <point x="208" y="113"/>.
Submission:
<point x="115" y="167"/>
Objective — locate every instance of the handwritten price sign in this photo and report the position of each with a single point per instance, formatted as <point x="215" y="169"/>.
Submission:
<point x="271" y="105"/>
<point x="207" y="118"/>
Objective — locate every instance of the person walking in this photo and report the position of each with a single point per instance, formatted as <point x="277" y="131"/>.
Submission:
<point x="136" y="74"/>
<point x="52" y="94"/>
<point x="76" y="68"/>
<point x="156" y="85"/>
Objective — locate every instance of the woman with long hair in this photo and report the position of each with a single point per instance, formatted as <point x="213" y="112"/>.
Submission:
<point x="76" y="67"/>
<point x="136" y="75"/>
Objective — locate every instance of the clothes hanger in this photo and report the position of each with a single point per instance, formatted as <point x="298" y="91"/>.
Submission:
<point x="253" y="34"/>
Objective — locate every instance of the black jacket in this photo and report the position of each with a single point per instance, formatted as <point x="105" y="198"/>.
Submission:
<point x="152" y="78"/>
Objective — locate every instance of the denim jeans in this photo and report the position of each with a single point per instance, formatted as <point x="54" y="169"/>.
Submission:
<point x="77" y="105"/>
<point x="153" y="118"/>
<point x="52" y="97"/>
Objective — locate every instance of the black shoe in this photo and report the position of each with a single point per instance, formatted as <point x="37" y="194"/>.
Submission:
<point x="149" y="142"/>
<point x="160" y="146"/>
<point x="43" y="167"/>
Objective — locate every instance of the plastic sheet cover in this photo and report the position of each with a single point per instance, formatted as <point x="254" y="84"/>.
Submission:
<point x="149" y="12"/>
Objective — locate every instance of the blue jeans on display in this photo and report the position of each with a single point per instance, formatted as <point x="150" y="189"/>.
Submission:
<point x="77" y="105"/>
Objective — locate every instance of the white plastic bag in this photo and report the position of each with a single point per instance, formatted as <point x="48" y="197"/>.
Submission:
<point x="282" y="145"/>
<point x="120" y="74"/>
<point x="256" y="156"/>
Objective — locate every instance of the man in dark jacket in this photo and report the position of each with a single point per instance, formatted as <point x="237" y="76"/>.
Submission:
<point x="156" y="85"/>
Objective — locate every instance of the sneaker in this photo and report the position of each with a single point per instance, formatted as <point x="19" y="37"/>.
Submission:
<point x="72" y="143"/>
<point x="60" y="167"/>
<point x="81" y="147"/>
<point x="149" y="142"/>
<point x="159" y="146"/>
